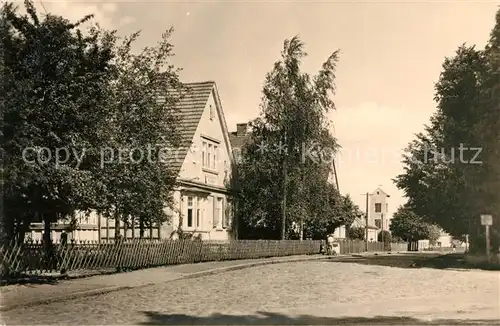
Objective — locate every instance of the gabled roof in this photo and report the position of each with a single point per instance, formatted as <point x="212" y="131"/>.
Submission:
<point x="190" y="108"/>
<point x="380" y="190"/>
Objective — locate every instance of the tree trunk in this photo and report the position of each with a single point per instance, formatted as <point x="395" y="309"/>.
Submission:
<point x="133" y="228"/>
<point x="50" y="258"/>
<point x="46" y="230"/>
<point x="117" y="226"/>
<point x="23" y="228"/>
<point x="283" y="209"/>
<point x="141" y="228"/>
<point x="16" y="232"/>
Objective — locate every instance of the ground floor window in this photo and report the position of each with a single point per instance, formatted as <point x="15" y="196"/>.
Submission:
<point x="219" y="212"/>
<point x="198" y="212"/>
<point x="190" y="212"/>
<point x="226" y="215"/>
<point x="198" y="208"/>
<point x="193" y="211"/>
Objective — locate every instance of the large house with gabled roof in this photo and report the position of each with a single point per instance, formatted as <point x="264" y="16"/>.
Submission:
<point x="203" y="164"/>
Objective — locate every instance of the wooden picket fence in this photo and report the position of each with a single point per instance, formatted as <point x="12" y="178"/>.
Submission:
<point x="33" y="259"/>
<point x="354" y="247"/>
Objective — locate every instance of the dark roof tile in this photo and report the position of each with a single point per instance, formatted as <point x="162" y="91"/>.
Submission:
<point x="189" y="111"/>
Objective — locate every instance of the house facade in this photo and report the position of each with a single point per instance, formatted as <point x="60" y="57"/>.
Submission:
<point x="360" y="222"/>
<point x="204" y="167"/>
<point x="379" y="209"/>
<point x="203" y="164"/>
<point x="444" y="241"/>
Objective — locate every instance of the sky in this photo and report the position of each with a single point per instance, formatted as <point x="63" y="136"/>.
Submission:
<point x="391" y="56"/>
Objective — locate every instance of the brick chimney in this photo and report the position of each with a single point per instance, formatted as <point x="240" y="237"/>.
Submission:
<point x="241" y="129"/>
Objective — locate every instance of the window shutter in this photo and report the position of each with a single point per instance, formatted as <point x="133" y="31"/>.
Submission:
<point x="216" y="216"/>
<point x="224" y="213"/>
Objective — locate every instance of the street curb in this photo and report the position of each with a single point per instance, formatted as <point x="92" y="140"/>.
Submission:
<point x="74" y="295"/>
<point x="249" y="265"/>
<point x="94" y="292"/>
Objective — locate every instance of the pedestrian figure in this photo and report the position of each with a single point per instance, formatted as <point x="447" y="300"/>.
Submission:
<point x="330" y="244"/>
<point x="453" y="247"/>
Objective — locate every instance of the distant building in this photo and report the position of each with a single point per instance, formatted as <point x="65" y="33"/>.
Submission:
<point x="379" y="209"/>
<point x="238" y="139"/>
<point x="444" y="241"/>
<point x="360" y="222"/>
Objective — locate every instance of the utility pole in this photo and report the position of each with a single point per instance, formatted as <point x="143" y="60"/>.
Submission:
<point x="366" y="223"/>
<point x="488" y="250"/>
<point x="487" y="221"/>
<point x="382" y="232"/>
<point x="283" y="209"/>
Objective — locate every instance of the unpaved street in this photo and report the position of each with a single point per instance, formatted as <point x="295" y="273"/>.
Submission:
<point x="320" y="292"/>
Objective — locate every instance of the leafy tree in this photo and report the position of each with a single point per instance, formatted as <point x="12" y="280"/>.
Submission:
<point x="258" y="190"/>
<point x="356" y="233"/>
<point x="433" y="234"/>
<point x="384" y="235"/>
<point x="446" y="183"/>
<point x="282" y="179"/>
<point x="109" y="112"/>
<point x="54" y="83"/>
<point x="337" y="210"/>
<point x="408" y="226"/>
<point x="137" y="182"/>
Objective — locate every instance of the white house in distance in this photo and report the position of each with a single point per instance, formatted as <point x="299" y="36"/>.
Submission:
<point x="379" y="209"/>
<point x="378" y="218"/>
<point x="444" y="241"/>
<point x="203" y="163"/>
<point x="360" y="222"/>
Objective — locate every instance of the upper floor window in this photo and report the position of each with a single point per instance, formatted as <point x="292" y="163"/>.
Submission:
<point x="209" y="155"/>
<point x="214" y="161"/>
<point x="212" y="112"/>
<point x="378" y="207"/>
<point x="203" y="153"/>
